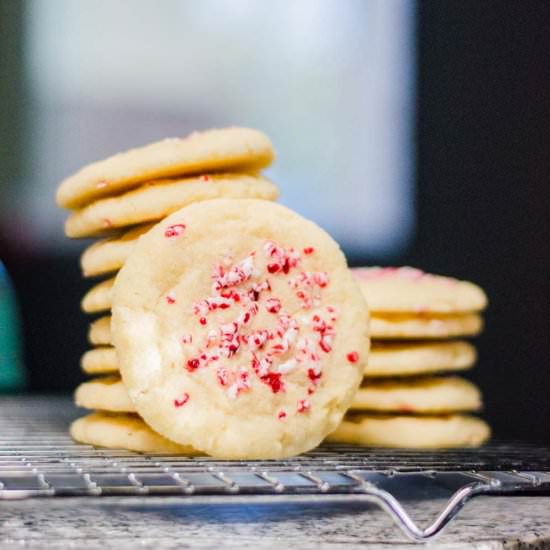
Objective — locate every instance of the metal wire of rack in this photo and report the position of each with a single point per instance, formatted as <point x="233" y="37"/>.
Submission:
<point x="39" y="459"/>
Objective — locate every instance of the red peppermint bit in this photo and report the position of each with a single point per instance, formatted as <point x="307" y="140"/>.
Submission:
<point x="281" y="415"/>
<point x="352" y="357"/>
<point x="170" y="298"/>
<point x="222" y="374"/>
<point x="283" y="260"/>
<point x="205" y="178"/>
<point x="257" y="339"/>
<point x="273" y="380"/>
<point x="309" y="250"/>
<point x="273" y="305"/>
<point x="203" y="321"/>
<point x="174" y="230"/>
<point x="241" y="383"/>
<point x="187" y="339"/>
<point x="181" y="402"/>
<point x="192" y="365"/>
<point x="324" y="345"/>
<point x="314" y="375"/>
<point x="303" y="406"/>
<point x="310" y="390"/>
<point x="236" y="275"/>
<point x="321" y="278"/>
<point x="231" y="295"/>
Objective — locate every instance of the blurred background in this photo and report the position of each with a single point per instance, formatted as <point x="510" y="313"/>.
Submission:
<point x="415" y="132"/>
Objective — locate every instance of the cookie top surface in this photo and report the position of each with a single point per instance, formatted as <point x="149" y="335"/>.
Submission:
<point x="240" y="330"/>
<point x="200" y="152"/>
<point x="407" y="289"/>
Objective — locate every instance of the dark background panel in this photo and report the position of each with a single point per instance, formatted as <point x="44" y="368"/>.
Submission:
<point x="483" y="178"/>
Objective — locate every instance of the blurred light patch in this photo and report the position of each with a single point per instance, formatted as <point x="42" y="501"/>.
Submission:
<point x="330" y="82"/>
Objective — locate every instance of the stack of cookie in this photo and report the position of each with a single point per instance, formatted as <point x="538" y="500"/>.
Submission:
<point x="236" y="328"/>
<point x="118" y="200"/>
<point x="416" y="322"/>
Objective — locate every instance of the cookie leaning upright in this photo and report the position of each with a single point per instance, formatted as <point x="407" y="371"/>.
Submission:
<point x="239" y="329"/>
<point x="225" y="149"/>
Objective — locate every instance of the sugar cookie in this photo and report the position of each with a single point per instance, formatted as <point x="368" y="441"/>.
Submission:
<point x="424" y="326"/>
<point x="413" y="432"/>
<point x="98" y="298"/>
<point x="225" y="149"/>
<point x="161" y="198"/>
<point x="409" y="359"/>
<point x="123" y="431"/>
<point x="99" y="360"/>
<point x="99" y="333"/>
<point x="239" y="329"/>
<point x="418" y="395"/>
<point x="406" y="289"/>
<point x="108" y="255"/>
<point x="106" y="394"/>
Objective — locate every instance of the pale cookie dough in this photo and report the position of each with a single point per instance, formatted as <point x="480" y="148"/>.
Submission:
<point x="123" y="431"/>
<point x="104" y="394"/>
<point x="99" y="361"/>
<point x="419" y="396"/>
<point x="226" y="149"/>
<point x="161" y="198"/>
<point x="240" y="330"/>
<point x="413" y="432"/>
<point x="415" y="327"/>
<point x="100" y="331"/>
<point x="406" y="289"/>
<point x="108" y="255"/>
<point x="99" y="297"/>
<point x="409" y="359"/>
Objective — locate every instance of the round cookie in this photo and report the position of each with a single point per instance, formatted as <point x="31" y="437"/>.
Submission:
<point x="159" y="199"/>
<point x="406" y="289"/>
<point x="99" y="297"/>
<point x="99" y="361"/>
<point x="99" y="333"/>
<point x="123" y="431"/>
<point x="392" y="327"/>
<point x="225" y="149"/>
<point x="412" y="432"/>
<point x="108" y="255"/>
<point x="240" y="330"/>
<point x="106" y="394"/>
<point x="409" y="359"/>
<point x="419" y="396"/>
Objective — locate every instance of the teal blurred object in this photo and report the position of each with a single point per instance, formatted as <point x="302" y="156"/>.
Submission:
<point x="11" y="365"/>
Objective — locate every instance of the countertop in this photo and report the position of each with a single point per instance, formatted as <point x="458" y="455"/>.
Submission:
<point x="175" y="522"/>
<point x="232" y="521"/>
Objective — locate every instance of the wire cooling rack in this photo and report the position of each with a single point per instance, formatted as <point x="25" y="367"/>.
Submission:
<point x="39" y="459"/>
